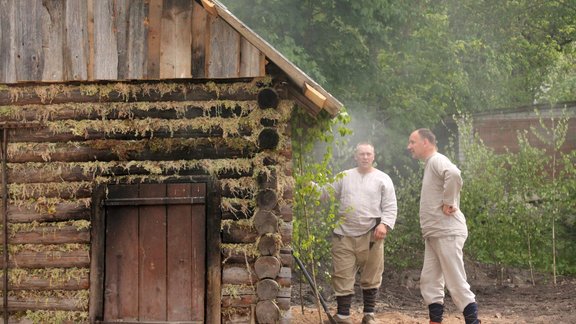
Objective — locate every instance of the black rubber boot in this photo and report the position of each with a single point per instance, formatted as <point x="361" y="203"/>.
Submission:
<point x="344" y="303"/>
<point x="369" y="297"/>
<point x="471" y="314"/>
<point x="436" y="312"/>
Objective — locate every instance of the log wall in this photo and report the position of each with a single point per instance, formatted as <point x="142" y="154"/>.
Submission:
<point x="65" y="140"/>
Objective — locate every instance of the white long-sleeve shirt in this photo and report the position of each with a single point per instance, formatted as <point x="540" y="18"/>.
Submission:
<point x="441" y="185"/>
<point x="365" y="201"/>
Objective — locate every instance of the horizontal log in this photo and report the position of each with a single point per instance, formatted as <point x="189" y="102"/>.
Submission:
<point x="240" y="300"/>
<point x="235" y="274"/>
<point x="73" y="210"/>
<point x="286" y="257"/>
<point x="123" y="110"/>
<point x="268" y="98"/>
<point x="266" y="199"/>
<point x="238" y="213"/>
<point x="39" y="172"/>
<point x="268" y="180"/>
<point x="267" y="245"/>
<point x="283" y="303"/>
<point x="235" y="232"/>
<point x="267" y="289"/>
<point x="237" y="315"/>
<point x="127" y="92"/>
<point x="267" y="267"/>
<point x="267" y="312"/>
<point x="44" y="303"/>
<point x="288" y="193"/>
<point x="237" y="256"/>
<point x="238" y="274"/>
<point x="286" y="212"/>
<point x="50" y="235"/>
<point x="65" y="191"/>
<point x="130" y="133"/>
<point x="113" y="150"/>
<point x="238" y="290"/>
<point x="28" y="283"/>
<point x="265" y="222"/>
<point x="244" y="193"/>
<point x="49" y="259"/>
<point x="286" y="233"/>
<point x="268" y="139"/>
<point x="284" y="278"/>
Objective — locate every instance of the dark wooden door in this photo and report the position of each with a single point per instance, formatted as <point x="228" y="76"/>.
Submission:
<point x="155" y="253"/>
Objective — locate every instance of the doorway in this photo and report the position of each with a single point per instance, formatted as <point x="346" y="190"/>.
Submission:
<point x="154" y="260"/>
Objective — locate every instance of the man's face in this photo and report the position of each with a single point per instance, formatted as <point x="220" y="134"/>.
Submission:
<point x="364" y="156"/>
<point x="416" y="145"/>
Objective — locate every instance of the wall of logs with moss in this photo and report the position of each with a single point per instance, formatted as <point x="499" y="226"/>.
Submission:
<point x="61" y="141"/>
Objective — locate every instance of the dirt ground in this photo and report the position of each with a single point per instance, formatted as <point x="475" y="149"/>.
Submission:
<point x="502" y="297"/>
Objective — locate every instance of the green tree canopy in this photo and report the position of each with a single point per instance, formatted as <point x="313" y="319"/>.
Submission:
<point x="398" y="65"/>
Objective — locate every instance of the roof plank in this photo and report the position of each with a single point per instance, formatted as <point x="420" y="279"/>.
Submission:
<point x="176" y="42"/>
<point x="54" y="23"/>
<point x="8" y="42"/>
<point x="29" y="54"/>
<point x="252" y="61"/>
<point x="137" y="45"/>
<point x="224" y="50"/>
<point x="200" y="37"/>
<point x="105" y="41"/>
<point x="154" y="39"/>
<point x="76" y="50"/>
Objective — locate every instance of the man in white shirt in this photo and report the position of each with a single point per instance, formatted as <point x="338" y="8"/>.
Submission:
<point x="444" y="230"/>
<point x="367" y="211"/>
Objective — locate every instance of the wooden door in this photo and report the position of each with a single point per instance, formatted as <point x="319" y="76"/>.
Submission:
<point x="155" y="253"/>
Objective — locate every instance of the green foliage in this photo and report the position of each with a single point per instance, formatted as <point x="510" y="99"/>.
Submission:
<point x="404" y="247"/>
<point x="314" y="219"/>
<point x="400" y="65"/>
<point x="518" y="213"/>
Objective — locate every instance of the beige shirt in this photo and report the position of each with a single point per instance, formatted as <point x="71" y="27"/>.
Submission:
<point x="365" y="201"/>
<point x="441" y="185"/>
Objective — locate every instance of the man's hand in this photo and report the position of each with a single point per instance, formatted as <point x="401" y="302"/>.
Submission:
<point x="380" y="231"/>
<point x="449" y="210"/>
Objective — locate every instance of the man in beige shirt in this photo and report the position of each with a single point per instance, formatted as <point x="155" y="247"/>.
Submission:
<point x="367" y="210"/>
<point x="444" y="230"/>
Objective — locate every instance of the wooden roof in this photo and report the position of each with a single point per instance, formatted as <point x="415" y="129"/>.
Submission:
<point x="121" y="40"/>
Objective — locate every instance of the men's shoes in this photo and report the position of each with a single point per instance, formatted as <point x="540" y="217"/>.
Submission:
<point x="341" y="320"/>
<point x="368" y="319"/>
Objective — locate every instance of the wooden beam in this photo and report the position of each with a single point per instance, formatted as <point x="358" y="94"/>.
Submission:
<point x="210" y="7"/>
<point x="304" y="102"/>
<point x="297" y="76"/>
<point x="314" y="95"/>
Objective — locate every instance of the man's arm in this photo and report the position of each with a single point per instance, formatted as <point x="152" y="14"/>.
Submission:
<point x="452" y="186"/>
<point x="388" y="205"/>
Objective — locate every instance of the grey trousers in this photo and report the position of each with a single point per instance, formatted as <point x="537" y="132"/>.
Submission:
<point x="444" y="267"/>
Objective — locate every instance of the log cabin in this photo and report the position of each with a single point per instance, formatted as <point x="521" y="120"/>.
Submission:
<point x="146" y="163"/>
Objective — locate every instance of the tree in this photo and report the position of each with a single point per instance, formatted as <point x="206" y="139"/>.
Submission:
<point x="398" y="65"/>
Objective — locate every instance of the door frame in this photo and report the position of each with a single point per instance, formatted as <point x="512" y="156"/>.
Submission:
<point x="213" y="255"/>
